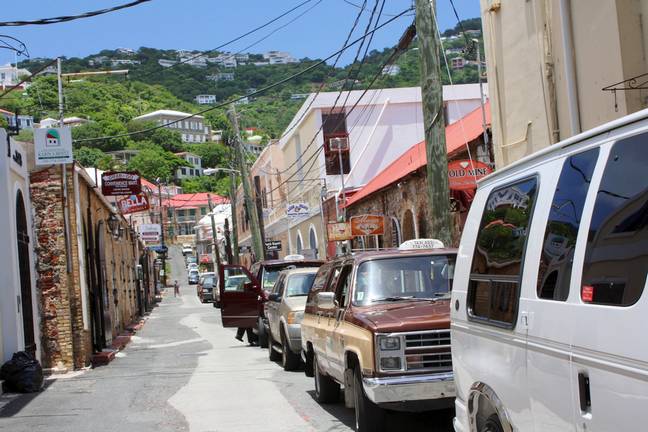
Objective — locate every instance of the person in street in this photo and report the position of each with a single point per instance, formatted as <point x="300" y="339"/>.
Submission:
<point x="176" y="289"/>
<point x="248" y="332"/>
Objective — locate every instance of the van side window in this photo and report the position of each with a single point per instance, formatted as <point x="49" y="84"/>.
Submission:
<point x="493" y="292"/>
<point x="562" y="226"/>
<point x="616" y="258"/>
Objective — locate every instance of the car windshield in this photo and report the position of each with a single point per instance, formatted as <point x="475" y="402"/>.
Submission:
<point x="208" y="281"/>
<point x="193" y="272"/>
<point x="235" y="283"/>
<point x="406" y="278"/>
<point x="299" y="284"/>
<point x="269" y="278"/>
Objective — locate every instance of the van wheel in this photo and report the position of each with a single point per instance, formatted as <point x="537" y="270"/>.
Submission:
<point x="492" y="424"/>
<point x="326" y="390"/>
<point x="289" y="360"/>
<point x="368" y="416"/>
<point x="261" y="334"/>
<point x="272" y="354"/>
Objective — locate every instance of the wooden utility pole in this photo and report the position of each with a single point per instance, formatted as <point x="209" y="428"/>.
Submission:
<point x="259" y="208"/>
<point x="257" y="244"/>
<point x="434" y="122"/>
<point x="234" y="235"/>
<point x="215" y="251"/>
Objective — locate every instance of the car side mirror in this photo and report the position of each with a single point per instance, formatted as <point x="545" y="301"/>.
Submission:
<point x="274" y="297"/>
<point x="325" y="300"/>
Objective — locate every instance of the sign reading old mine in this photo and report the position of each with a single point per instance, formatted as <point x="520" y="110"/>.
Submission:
<point x="463" y="174"/>
<point x="121" y="183"/>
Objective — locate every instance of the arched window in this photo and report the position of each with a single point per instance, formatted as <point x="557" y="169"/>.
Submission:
<point x="312" y="240"/>
<point x="408" y="226"/>
<point x="300" y="243"/>
<point x="395" y="232"/>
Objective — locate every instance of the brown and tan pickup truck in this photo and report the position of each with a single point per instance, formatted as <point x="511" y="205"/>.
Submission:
<point x="378" y="325"/>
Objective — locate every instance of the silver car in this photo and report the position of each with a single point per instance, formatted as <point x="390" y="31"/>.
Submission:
<point x="285" y="311"/>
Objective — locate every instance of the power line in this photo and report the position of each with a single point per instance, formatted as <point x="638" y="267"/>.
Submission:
<point x="65" y="18"/>
<point x="362" y="7"/>
<point x="236" y="39"/>
<point x="260" y="91"/>
<point x="469" y="42"/>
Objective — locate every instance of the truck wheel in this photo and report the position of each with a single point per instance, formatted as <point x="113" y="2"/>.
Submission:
<point x="368" y="416"/>
<point x="289" y="360"/>
<point x="326" y="390"/>
<point x="261" y="334"/>
<point x="492" y="424"/>
<point x="272" y="354"/>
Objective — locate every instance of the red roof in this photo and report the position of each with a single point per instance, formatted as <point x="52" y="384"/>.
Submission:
<point x="457" y="135"/>
<point x="194" y="200"/>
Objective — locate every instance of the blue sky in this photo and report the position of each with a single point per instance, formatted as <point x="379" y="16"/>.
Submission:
<point x="204" y="24"/>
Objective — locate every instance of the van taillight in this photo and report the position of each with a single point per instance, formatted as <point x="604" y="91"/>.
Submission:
<point x="587" y="293"/>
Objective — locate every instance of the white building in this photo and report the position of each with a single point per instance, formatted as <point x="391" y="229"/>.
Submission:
<point x="11" y="75"/>
<point x="391" y="70"/>
<point x="279" y="57"/>
<point x="222" y="76"/>
<point x="122" y="62"/>
<point x="19" y="317"/>
<point x="24" y="121"/>
<point x="166" y="63"/>
<point x="195" y="61"/>
<point x="195" y="170"/>
<point x="461" y="99"/>
<point x="125" y="51"/>
<point x="191" y="127"/>
<point x="67" y="121"/>
<point x="205" y="99"/>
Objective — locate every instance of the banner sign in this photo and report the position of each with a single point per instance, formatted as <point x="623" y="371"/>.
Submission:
<point x="463" y="174"/>
<point x="121" y="183"/>
<point x="272" y="245"/>
<point x="339" y="231"/>
<point x="365" y="225"/>
<point x="53" y="146"/>
<point x="150" y="232"/>
<point x="297" y="209"/>
<point x="133" y="204"/>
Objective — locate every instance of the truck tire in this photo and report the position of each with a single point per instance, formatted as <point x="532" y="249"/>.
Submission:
<point x="326" y="390"/>
<point x="261" y="334"/>
<point x="368" y="416"/>
<point x="289" y="360"/>
<point x="272" y="354"/>
<point x="492" y="424"/>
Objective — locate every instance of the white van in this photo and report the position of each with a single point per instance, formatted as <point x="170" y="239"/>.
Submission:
<point x="549" y="315"/>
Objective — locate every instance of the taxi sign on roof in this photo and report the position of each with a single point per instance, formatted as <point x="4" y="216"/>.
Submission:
<point x="421" y="244"/>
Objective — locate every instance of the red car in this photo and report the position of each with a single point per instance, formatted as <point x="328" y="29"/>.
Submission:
<point x="242" y="304"/>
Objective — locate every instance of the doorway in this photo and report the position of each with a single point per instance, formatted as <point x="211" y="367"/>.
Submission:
<point x="25" y="274"/>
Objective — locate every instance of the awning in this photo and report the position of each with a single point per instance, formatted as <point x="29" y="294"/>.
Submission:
<point x="458" y="134"/>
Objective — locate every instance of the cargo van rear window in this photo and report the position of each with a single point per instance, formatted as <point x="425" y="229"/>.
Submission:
<point x="493" y="292"/>
<point x="562" y="225"/>
<point x="616" y="258"/>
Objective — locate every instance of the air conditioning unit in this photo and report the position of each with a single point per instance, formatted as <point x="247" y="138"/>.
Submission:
<point x="339" y="143"/>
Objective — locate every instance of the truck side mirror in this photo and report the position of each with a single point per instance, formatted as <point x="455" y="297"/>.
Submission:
<point x="325" y="300"/>
<point x="274" y="297"/>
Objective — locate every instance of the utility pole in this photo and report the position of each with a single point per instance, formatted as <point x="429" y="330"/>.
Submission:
<point x="259" y="208"/>
<point x="64" y="184"/>
<point x="483" y="154"/>
<point x="228" y="243"/>
<point x="234" y="235"/>
<point x="434" y="122"/>
<point x="215" y="251"/>
<point x="257" y="244"/>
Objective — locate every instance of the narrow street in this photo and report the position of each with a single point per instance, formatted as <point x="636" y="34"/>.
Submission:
<point x="184" y="372"/>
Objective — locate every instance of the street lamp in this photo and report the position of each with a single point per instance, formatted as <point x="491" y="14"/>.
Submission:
<point x="113" y="225"/>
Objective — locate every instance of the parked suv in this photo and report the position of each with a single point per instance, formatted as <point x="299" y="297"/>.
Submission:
<point x="206" y="288"/>
<point x="284" y="311"/>
<point x="549" y="304"/>
<point x="378" y="324"/>
<point x="244" y="308"/>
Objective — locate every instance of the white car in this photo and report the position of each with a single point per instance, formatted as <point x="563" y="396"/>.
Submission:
<point x="192" y="266"/>
<point x="187" y="249"/>
<point x="548" y="304"/>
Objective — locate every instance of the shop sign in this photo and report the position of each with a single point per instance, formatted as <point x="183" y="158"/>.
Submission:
<point x="150" y="232"/>
<point x="297" y="209"/>
<point x="53" y="146"/>
<point x="463" y="174"/>
<point x="133" y="204"/>
<point x="339" y="231"/>
<point x="121" y="183"/>
<point x="272" y="245"/>
<point x="365" y="225"/>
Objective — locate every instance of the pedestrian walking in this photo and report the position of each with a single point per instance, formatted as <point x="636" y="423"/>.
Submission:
<point x="176" y="289"/>
<point x="248" y="331"/>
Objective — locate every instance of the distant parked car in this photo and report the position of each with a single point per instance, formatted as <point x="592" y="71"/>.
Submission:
<point x="187" y="249"/>
<point x="192" y="266"/>
<point x="207" y="289"/>
<point x="193" y="277"/>
<point x="201" y="280"/>
<point x="284" y="311"/>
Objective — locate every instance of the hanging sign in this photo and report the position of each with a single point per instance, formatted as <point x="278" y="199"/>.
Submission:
<point x="133" y="204"/>
<point x="297" y="209"/>
<point x="365" y="225"/>
<point x="272" y="245"/>
<point x="121" y="183"/>
<point x="150" y="232"/>
<point x="339" y="231"/>
<point x="53" y="146"/>
<point x="463" y="174"/>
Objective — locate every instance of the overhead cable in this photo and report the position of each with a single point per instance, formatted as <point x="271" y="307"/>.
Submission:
<point x="65" y="18"/>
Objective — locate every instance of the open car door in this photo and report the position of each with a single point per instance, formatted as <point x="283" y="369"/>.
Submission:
<point x="239" y="293"/>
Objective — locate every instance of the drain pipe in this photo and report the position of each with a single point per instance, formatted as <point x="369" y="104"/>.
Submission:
<point x="570" y="66"/>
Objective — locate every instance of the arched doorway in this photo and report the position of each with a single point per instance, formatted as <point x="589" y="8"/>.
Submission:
<point x="312" y="241"/>
<point x="25" y="274"/>
<point x="408" y="226"/>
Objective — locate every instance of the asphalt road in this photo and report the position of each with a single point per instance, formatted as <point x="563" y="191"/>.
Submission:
<point x="185" y="372"/>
